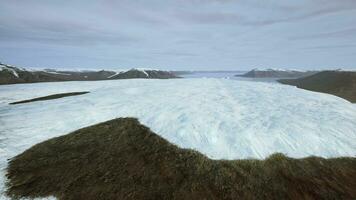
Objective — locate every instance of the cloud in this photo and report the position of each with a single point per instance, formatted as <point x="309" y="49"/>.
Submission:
<point x="179" y="54"/>
<point x="59" y="31"/>
<point x="209" y="18"/>
<point x="327" y="35"/>
<point x="64" y="37"/>
<point x="260" y="13"/>
<point x="211" y="33"/>
<point x="341" y="46"/>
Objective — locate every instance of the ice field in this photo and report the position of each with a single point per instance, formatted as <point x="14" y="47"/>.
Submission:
<point x="223" y="119"/>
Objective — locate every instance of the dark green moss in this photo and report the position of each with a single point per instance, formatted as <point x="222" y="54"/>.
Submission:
<point x="122" y="159"/>
<point x="338" y="83"/>
<point x="49" y="97"/>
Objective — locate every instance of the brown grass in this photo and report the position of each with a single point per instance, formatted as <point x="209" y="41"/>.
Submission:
<point x="338" y="83"/>
<point x="122" y="159"/>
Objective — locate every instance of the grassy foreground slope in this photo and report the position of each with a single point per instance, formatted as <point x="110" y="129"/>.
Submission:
<point x="339" y="83"/>
<point x="122" y="159"/>
<point x="50" y="97"/>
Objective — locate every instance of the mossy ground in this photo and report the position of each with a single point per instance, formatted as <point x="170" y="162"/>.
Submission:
<point x="122" y="159"/>
<point x="338" y="83"/>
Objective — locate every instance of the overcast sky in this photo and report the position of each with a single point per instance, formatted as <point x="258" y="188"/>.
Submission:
<point x="179" y="34"/>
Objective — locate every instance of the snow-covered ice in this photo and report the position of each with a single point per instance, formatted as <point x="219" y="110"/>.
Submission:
<point x="224" y="119"/>
<point x="54" y="72"/>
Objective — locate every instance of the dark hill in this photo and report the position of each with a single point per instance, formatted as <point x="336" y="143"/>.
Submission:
<point x="12" y="75"/>
<point x="275" y="73"/>
<point x="122" y="159"/>
<point x="339" y="83"/>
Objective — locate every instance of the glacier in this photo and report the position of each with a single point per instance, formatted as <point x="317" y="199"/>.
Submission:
<point x="221" y="118"/>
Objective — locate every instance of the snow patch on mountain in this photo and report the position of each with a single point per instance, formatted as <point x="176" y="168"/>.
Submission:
<point x="58" y="73"/>
<point x="116" y="73"/>
<point x="9" y="68"/>
<point x="144" y="71"/>
<point x="345" y="70"/>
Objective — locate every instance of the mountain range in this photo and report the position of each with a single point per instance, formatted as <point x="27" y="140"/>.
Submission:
<point x="11" y="75"/>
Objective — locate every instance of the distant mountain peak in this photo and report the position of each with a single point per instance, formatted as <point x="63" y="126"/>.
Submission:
<point x="11" y="75"/>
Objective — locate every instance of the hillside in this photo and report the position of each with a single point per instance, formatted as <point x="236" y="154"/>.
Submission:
<point x="275" y="73"/>
<point x="122" y="159"/>
<point x="144" y="73"/>
<point x="11" y="75"/>
<point x="339" y="83"/>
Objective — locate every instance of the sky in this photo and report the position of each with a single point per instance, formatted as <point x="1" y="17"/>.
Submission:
<point x="179" y="34"/>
